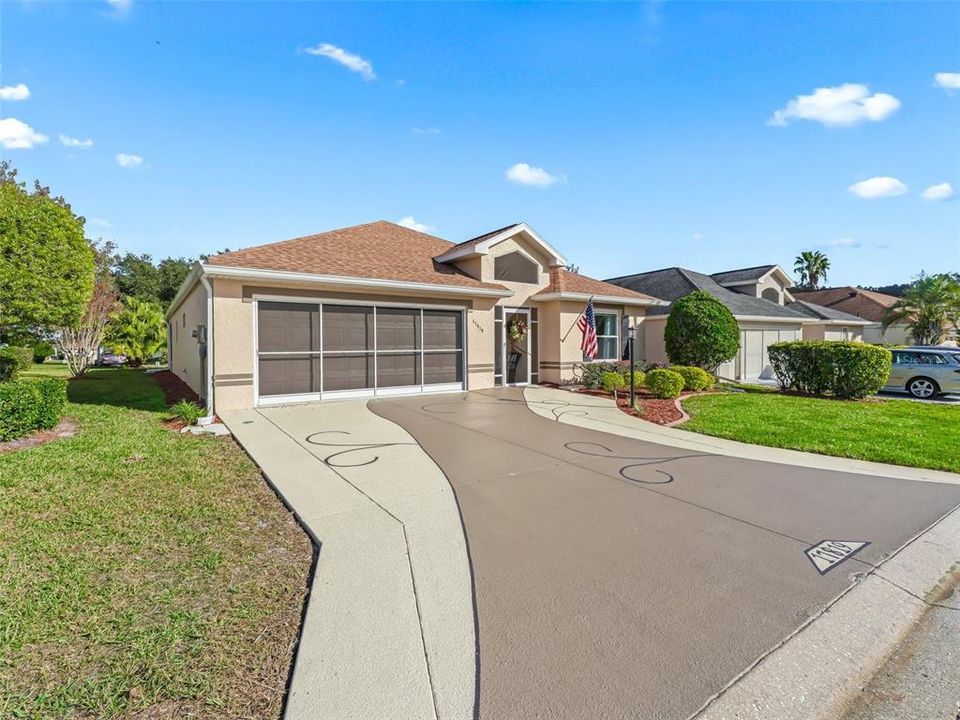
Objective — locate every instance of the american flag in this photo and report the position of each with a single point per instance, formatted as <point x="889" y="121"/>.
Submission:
<point x="588" y="326"/>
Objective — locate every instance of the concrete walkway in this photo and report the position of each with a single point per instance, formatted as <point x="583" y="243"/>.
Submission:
<point x="599" y="413"/>
<point x="389" y="628"/>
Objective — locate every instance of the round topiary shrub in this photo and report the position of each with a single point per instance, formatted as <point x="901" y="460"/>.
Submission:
<point x="612" y="381"/>
<point x="694" y="379"/>
<point x="664" y="383"/>
<point x="639" y="378"/>
<point x="701" y="331"/>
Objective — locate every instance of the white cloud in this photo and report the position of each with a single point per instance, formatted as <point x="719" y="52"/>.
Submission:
<point x="525" y="174"/>
<point x="948" y="81"/>
<point x="76" y="142"/>
<point x="877" y="187"/>
<point x="11" y="93"/>
<point x="847" y="104"/>
<point x="352" y="62"/>
<point x="943" y="191"/>
<point x="426" y="131"/>
<point x="126" y="160"/>
<point x="410" y="222"/>
<point x="17" y="135"/>
<point x="841" y="243"/>
<point x="698" y="236"/>
<point x="121" y="5"/>
<point x="100" y="222"/>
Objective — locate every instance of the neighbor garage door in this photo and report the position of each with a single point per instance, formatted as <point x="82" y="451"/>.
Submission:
<point x="306" y="351"/>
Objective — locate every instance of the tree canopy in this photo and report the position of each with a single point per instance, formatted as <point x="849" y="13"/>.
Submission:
<point x="811" y="266"/>
<point x="929" y="307"/>
<point x="46" y="263"/>
<point x="138" y="330"/>
<point x="701" y="331"/>
<point x="138" y="276"/>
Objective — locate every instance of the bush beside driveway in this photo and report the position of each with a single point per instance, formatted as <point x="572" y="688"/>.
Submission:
<point x="143" y="572"/>
<point x="899" y="432"/>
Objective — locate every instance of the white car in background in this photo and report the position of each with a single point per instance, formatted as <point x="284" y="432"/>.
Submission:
<point x="925" y="372"/>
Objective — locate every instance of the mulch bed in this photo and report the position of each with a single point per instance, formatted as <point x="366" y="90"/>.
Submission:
<point x="652" y="409"/>
<point x="174" y="389"/>
<point x="65" y="428"/>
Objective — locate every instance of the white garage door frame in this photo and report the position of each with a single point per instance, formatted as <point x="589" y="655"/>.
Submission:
<point x="375" y="391"/>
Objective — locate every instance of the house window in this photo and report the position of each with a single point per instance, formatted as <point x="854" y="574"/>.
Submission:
<point x="608" y="345"/>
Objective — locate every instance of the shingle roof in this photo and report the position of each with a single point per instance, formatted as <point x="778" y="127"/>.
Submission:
<point x="673" y="283"/>
<point x="822" y="313"/>
<point x="564" y="281"/>
<point x="381" y="250"/>
<point x="865" y="304"/>
<point x="743" y="274"/>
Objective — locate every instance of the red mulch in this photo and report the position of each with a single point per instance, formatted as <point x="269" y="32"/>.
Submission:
<point x="174" y="389"/>
<point x="652" y="409"/>
<point x="65" y="428"/>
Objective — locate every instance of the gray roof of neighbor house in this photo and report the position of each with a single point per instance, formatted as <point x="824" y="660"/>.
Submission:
<point x="743" y="274"/>
<point x="673" y="283"/>
<point x="825" y="313"/>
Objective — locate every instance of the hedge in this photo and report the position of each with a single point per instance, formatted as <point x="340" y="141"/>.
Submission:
<point x="664" y="383"/>
<point x="41" y="351"/>
<point x="839" y="368"/>
<point x="589" y="374"/>
<point x="22" y="356"/>
<point x="29" y="405"/>
<point x="694" y="378"/>
<point x="8" y="368"/>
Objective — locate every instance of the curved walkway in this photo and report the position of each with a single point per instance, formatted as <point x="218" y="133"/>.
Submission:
<point x="389" y="627"/>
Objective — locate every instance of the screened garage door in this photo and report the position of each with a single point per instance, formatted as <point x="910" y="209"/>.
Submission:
<point x="308" y="351"/>
<point x="753" y="362"/>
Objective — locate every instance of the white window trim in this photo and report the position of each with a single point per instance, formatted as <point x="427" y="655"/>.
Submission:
<point x="616" y="314"/>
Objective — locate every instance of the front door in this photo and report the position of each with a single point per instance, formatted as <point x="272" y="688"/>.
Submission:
<point x="517" y="346"/>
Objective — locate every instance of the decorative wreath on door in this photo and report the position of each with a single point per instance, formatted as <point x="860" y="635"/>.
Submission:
<point x="517" y="330"/>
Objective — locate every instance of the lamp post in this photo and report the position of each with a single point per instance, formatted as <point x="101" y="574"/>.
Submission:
<point x="631" y="332"/>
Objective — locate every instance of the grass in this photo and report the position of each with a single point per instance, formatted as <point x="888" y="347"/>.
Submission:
<point x="900" y="432"/>
<point x="143" y="573"/>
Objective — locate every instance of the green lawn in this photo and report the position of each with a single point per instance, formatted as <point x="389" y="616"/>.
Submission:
<point x="143" y="572"/>
<point x="901" y="432"/>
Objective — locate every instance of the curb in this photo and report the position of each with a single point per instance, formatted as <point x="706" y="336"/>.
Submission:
<point x="815" y="672"/>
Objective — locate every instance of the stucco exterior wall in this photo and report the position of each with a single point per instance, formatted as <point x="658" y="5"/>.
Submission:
<point x="895" y="335"/>
<point x="184" y="354"/>
<point x="815" y="331"/>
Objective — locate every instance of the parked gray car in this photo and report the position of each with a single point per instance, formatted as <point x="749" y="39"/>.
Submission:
<point x="925" y="372"/>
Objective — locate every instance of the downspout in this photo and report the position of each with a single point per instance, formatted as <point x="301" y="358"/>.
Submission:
<point x="209" y="364"/>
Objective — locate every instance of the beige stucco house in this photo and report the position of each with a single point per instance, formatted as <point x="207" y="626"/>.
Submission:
<point x="760" y="299"/>
<point x="380" y="309"/>
<point x="865" y="304"/>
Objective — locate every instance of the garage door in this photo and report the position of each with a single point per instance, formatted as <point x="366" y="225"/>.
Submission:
<point x="309" y="351"/>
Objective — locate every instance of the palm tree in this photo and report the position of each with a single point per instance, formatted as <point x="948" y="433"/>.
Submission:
<point x="929" y="307"/>
<point x="811" y="266"/>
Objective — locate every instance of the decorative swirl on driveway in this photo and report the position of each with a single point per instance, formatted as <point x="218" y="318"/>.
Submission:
<point x="350" y="448"/>
<point x="625" y="469"/>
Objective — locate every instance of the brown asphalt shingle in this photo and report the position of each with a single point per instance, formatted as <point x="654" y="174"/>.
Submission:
<point x="564" y="281"/>
<point x="380" y="250"/>
<point x="866" y="304"/>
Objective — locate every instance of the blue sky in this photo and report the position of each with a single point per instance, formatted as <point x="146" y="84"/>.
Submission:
<point x="649" y="132"/>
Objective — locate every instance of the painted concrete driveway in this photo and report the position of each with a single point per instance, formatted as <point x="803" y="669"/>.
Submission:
<point x="618" y="578"/>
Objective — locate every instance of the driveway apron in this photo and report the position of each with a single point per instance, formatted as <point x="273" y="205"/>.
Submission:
<point x="621" y="578"/>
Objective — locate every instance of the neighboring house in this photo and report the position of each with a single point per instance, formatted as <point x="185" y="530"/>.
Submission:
<point x="380" y="309"/>
<point x="759" y="298"/>
<point x="865" y="304"/>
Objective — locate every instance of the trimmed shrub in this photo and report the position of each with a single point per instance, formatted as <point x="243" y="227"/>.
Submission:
<point x="694" y="379"/>
<point x="612" y="381"/>
<point x="665" y="383"/>
<point x="22" y="356"/>
<point x="588" y="374"/>
<point x="840" y="368"/>
<point x="19" y="406"/>
<point x="8" y="369"/>
<point x="53" y="398"/>
<point x="41" y="351"/>
<point x="187" y="411"/>
<point x="701" y="331"/>
<point x="639" y="378"/>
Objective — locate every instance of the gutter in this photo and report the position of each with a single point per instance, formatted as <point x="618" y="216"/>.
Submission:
<point x="209" y="359"/>
<point x="605" y="299"/>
